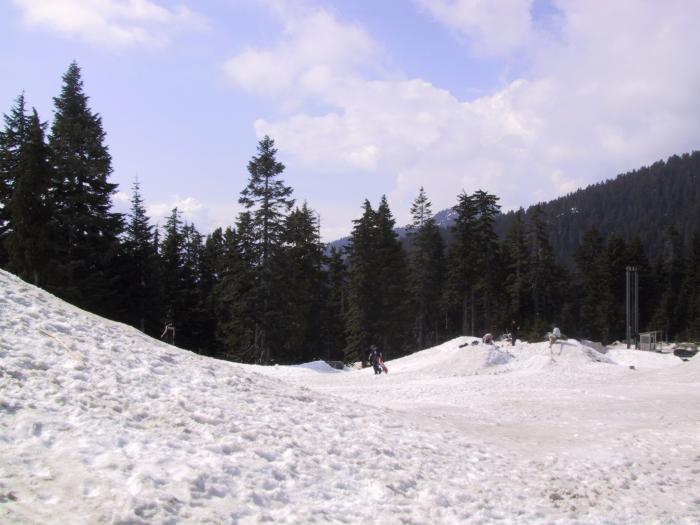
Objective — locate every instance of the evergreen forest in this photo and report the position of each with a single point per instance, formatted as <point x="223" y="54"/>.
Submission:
<point x="266" y="289"/>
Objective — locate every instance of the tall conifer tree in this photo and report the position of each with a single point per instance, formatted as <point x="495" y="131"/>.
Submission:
<point x="393" y="315"/>
<point x="139" y="277"/>
<point x="211" y="271"/>
<point x="303" y="268"/>
<point x="427" y="271"/>
<point x="30" y="241"/>
<point x="172" y="250"/>
<point x="268" y="200"/>
<point x="363" y="302"/>
<point x="238" y="306"/>
<point x="89" y="230"/>
<point x="462" y="273"/>
<point x="488" y="263"/>
<point x="12" y="139"/>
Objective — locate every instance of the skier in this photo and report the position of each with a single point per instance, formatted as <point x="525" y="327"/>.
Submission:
<point x="169" y="332"/>
<point x="513" y="332"/>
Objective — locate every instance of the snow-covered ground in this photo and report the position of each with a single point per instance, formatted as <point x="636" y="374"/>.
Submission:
<point x="101" y="424"/>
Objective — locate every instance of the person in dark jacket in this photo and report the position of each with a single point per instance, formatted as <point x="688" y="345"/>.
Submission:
<point x="513" y="332"/>
<point x="375" y="359"/>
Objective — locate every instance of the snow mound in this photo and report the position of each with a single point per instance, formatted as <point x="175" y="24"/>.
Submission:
<point x="319" y="366"/>
<point x="463" y="355"/>
<point x="641" y="359"/>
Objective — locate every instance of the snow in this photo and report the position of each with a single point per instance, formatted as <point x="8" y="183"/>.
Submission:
<point x="102" y="424"/>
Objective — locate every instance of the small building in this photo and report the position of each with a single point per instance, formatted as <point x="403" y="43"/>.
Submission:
<point x="649" y="340"/>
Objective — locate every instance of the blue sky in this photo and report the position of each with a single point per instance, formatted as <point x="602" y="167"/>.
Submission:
<point x="526" y="99"/>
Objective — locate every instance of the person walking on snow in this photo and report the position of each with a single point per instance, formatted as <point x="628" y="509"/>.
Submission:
<point x="376" y="360"/>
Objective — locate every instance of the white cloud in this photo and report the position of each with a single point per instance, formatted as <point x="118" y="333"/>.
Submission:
<point x="113" y="23"/>
<point x="189" y="207"/>
<point x="599" y="98"/>
<point x="121" y="198"/>
<point x="492" y="27"/>
<point x="314" y="49"/>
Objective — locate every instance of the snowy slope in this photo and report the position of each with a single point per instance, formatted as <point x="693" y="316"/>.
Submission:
<point x="101" y="424"/>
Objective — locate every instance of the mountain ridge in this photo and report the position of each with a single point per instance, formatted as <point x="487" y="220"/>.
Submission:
<point x="663" y="195"/>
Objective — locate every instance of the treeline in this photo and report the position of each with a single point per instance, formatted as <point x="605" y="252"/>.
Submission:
<point x="645" y="203"/>
<point x="264" y="290"/>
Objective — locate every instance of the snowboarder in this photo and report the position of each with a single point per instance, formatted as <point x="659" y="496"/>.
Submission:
<point x="376" y="360"/>
<point x="513" y="332"/>
<point x="554" y="336"/>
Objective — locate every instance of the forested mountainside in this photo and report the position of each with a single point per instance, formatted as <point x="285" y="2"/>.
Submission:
<point x="643" y="203"/>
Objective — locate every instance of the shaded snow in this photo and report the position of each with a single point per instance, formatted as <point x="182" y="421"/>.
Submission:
<point x="101" y="424"/>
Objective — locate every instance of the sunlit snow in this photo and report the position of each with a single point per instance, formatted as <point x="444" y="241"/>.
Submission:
<point x="101" y="424"/>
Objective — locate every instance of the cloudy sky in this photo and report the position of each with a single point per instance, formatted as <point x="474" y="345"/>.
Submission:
<point x="528" y="99"/>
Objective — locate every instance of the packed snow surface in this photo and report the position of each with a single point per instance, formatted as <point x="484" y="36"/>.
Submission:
<point x="101" y="424"/>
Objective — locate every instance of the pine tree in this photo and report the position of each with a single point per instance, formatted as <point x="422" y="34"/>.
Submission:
<point x="462" y="273"/>
<point x="268" y="198"/>
<point x="237" y="303"/>
<point x="211" y="272"/>
<point x="192" y="332"/>
<point x="172" y="277"/>
<point x="488" y="260"/>
<point x="89" y="231"/>
<point x="30" y="240"/>
<point x="12" y="139"/>
<point x="139" y="277"/>
<point x="363" y="302"/>
<point x="269" y="201"/>
<point x="427" y="271"/>
<point x="393" y="315"/>
<point x="303" y="260"/>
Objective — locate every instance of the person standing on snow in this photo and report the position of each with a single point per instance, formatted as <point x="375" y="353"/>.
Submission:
<point x="168" y="334"/>
<point x="553" y="336"/>
<point x="513" y="332"/>
<point x="375" y="359"/>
